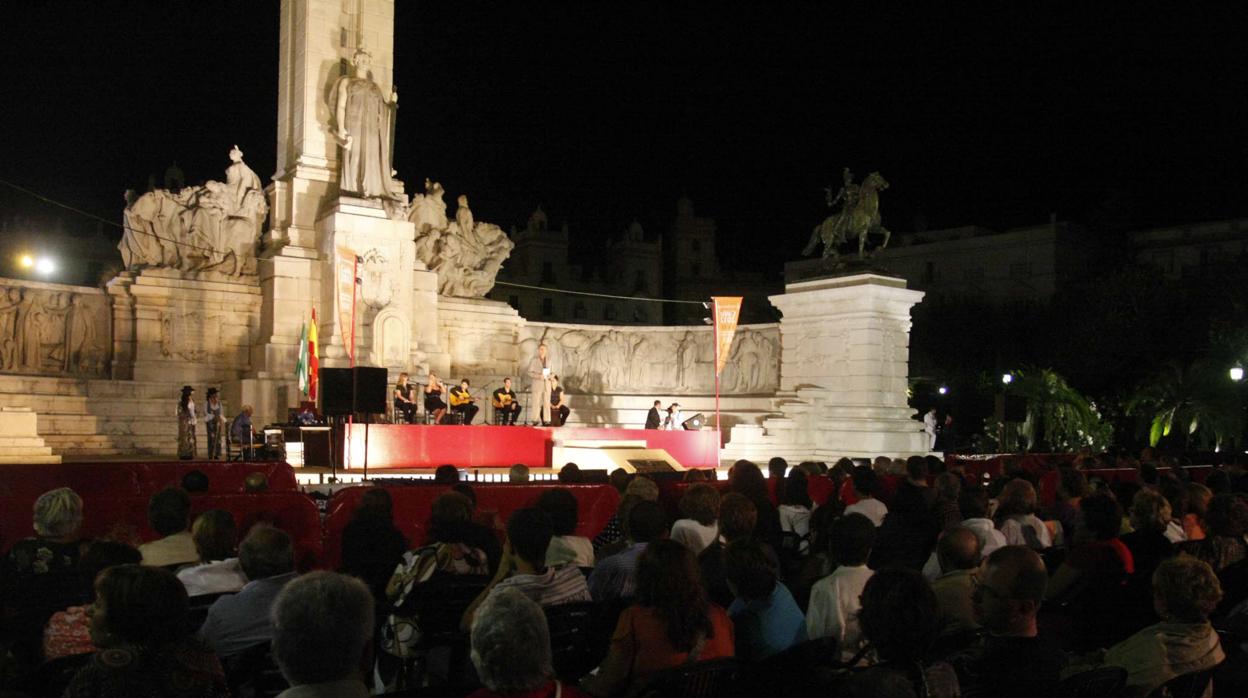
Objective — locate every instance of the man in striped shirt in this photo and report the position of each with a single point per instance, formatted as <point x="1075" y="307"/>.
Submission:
<point x="524" y="569"/>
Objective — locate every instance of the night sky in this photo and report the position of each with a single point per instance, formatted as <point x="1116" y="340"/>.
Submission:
<point x="1115" y="116"/>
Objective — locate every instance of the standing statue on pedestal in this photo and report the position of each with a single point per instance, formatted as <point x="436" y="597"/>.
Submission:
<point x="365" y="121"/>
<point x="859" y="216"/>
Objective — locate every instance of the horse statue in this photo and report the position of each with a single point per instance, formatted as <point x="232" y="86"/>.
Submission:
<point x="859" y="217"/>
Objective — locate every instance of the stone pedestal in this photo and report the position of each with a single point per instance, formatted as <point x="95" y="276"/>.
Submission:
<point x="19" y="438"/>
<point x="481" y="339"/>
<point x="843" y="374"/>
<point x="181" y="327"/>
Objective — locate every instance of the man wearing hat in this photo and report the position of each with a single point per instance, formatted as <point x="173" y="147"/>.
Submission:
<point x="214" y="417"/>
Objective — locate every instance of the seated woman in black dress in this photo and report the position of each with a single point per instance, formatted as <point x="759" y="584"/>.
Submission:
<point x="435" y="404"/>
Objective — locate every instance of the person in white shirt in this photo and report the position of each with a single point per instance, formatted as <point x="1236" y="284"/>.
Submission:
<point x="699" y="527"/>
<point x="865" y="482"/>
<point x="168" y="513"/>
<point x="1016" y="518"/>
<point x="929" y="426"/>
<point x="973" y="504"/>
<point x="566" y="548"/>
<point x="834" y="600"/>
<point x="795" y="509"/>
<point x="674" y="418"/>
<point x="218" y="571"/>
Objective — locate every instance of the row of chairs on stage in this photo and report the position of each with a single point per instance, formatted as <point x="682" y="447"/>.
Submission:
<point x="449" y="415"/>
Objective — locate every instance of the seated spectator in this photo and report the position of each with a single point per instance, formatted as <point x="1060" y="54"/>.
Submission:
<point x="511" y="650"/>
<point x="1198" y="499"/>
<point x="139" y="624"/>
<point x="524" y="569"/>
<point x="834" y="600"/>
<point x="737" y="517"/>
<point x="959" y="558"/>
<point x="69" y="631"/>
<point x="1013" y="659"/>
<point x="1227" y="524"/>
<point x="746" y="479"/>
<point x="866" y="484"/>
<point x="238" y="621"/>
<point x="1016" y="516"/>
<point x="445" y="551"/>
<point x="1149" y="516"/>
<point x="570" y="474"/>
<point x="322" y="626"/>
<point x="1176" y="495"/>
<point x="1185" y="592"/>
<point x="446" y="475"/>
<point x="764" y="615"/>
<point x="671" y="624"/>
<point x="973" y="506"/>
<point x="168" y="512"/>
<point x="482" y="530"/>
<point x="518" y="474"/>
<point x="909" y="532"/>
<point x="900" y="619"/>
<point x="372" y="547"/>
<point x="242" y="433"/>
<point x="566" y="548"/>
<point x="195" y="482"/>
<point x="615" y="576"/>
<point x="948" y="487"/>
<point x="699" y="527"/>
<point x="218" y="570"/>
<point x="1092" y="580"/>
<point x="776" y="468"/>
<point x="1072" y="487"/>
<point x="619" y="479"/>
<point x="40" y="575"/>
<point x="795" y="508"/>
<point x="255" y="483"/>
<point x="611" y="538"/>
<point x="695" y="475"/>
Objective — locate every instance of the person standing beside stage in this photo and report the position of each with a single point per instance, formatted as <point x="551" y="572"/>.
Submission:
<point x="541" y="368"/>
<point x="461" y="401"/>
<point x="434" y="404"/>
<point x="506" y="404"/>
<point x="214" y="417"/>
<point x="654" y="419"/>
<point x="404" y="401"/>
<point x="674" y="418"/>
<point x="929" y="427"/>
<point x="559" y="412"/>
<point x="186" y="424"/>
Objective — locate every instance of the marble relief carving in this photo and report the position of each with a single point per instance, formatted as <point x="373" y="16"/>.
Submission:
<point x="49" y="331"/>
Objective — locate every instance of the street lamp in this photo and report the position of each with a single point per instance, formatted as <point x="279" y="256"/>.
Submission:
<point x="1007" y="378"/>
<point x="943" y="390"/>
<point x="45" y="266"/>
<point x="26" y="261"/>
<point x="1237" y="373"/>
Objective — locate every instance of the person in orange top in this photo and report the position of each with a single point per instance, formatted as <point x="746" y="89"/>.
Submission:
<point x="671" y="624"/>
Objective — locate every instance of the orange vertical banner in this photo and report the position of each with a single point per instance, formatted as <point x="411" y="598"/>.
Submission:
<point x="727" y="313"/>
<point x="345" y="284"/>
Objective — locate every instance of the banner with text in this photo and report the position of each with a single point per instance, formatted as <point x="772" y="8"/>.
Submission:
<point x="346" y="298"/>
<point x="727" y="313"/>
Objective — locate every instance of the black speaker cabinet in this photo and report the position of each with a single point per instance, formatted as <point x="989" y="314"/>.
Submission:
<point x="370" y="389"/>
<point x="336" y="390"/>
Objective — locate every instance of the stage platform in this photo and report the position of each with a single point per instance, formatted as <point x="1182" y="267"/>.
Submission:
<point x="416" y="446"/>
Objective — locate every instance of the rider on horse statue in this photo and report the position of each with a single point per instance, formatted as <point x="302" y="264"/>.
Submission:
<point x="859" y="216"/>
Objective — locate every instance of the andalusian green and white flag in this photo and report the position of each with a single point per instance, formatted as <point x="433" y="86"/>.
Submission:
<point x="302" y="367"/>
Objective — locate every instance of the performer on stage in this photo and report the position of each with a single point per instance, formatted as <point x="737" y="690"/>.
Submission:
<point x="541" y="368"/>
<point x="461" y="401"/>
<point x="213" y="419"/>
<point x="654" y="420"/>
<point x="506" y="404"/>
<point x="434" y="404"/>
<point x="405" y="399"/>
<point x="186" y="424"/>
<point x="674" y="418"/>
<point x="559" y="411"/>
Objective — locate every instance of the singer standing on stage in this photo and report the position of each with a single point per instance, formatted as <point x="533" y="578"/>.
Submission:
<point x="541" y="368"/>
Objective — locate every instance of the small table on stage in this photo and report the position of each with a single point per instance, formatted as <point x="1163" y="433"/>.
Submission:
<point x="315" y="445"/>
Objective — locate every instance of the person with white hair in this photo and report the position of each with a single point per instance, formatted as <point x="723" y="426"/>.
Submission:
<point x="322" y="625"/>
<point x="511" y="649"/>
<point x="40" y="575"/>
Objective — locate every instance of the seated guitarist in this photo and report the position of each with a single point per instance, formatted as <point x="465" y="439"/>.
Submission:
<point x="461" y="401"/>
<point x="506" y="404"/>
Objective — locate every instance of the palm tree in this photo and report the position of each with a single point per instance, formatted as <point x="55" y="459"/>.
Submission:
<point x="1197" y="399"/>
<point x="1065" y="418"/>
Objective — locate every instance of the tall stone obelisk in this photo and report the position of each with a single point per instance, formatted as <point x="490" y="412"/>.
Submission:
<point x="312" y="221"/>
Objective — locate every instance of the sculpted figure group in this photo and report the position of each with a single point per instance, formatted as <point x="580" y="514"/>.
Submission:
<point x="52" y="332"/>
<point x="212" y="227"/>
<point x="465" y="253"/>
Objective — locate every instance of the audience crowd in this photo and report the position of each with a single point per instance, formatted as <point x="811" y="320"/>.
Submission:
<point x="901" y="578"/>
